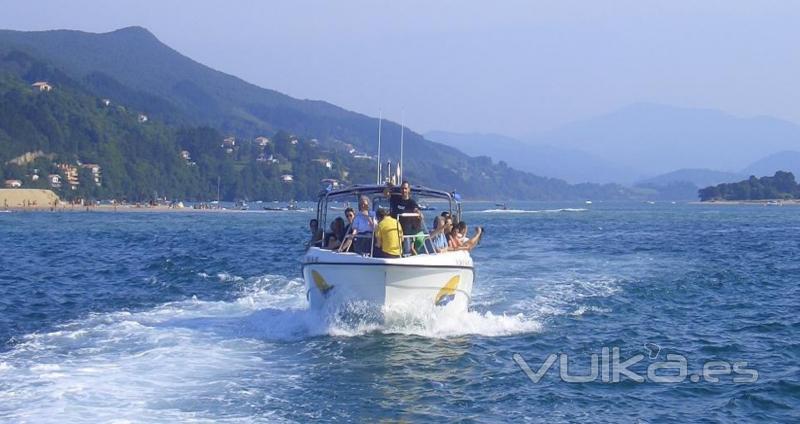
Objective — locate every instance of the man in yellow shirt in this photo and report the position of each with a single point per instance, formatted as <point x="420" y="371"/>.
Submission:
<point x="388" y="236"/>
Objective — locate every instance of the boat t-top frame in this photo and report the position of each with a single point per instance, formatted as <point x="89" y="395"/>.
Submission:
<point x="378" y="199"/>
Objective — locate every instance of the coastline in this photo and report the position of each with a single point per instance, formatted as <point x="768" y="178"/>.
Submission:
<point x="42" y="200"/>
<point x="63" y="207"/>
<point x="762" y="202"/>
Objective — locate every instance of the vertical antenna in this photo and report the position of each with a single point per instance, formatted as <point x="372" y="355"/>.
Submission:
<point x="380" y="120"/>
<point x="402" y="128"/>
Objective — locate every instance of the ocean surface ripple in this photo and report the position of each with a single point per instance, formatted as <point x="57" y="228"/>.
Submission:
<point x="202" y="317"/>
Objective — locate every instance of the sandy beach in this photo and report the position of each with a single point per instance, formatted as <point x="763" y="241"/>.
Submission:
<point x="24" y="198"/>
<point x="37" y="200"/>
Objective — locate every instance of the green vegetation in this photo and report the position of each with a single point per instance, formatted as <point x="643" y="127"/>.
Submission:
<point x="140" y="161"/>
<point x="192" y="107"/>
<point x="780" y="186"/>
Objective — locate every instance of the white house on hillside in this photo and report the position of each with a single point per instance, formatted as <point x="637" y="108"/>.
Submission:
<point x="42" y="86"/>
<point x="324" y="162"/>
<point x="55" y="180"/>
<point x="95" y="169"/>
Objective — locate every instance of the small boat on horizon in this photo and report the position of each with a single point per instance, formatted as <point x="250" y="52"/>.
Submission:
<point x="291" y="206"/>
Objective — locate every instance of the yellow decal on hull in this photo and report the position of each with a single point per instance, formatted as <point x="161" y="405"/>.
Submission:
<point x="320" y="282"/>
<point x="448" y="292"/>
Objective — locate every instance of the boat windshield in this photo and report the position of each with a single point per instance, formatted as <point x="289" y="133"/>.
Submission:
<point x="332" y="205"/>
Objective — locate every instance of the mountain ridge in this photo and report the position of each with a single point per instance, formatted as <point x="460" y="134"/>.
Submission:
<point x="662" y="138"/>
<point x="573" y="166"/>
<point x="153" y="78"/>
<point x="786" y="160"/>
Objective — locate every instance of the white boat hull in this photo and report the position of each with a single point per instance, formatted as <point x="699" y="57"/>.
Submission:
<point x="442" y="280"/>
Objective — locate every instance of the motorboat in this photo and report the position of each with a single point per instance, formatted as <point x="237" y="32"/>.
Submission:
<point x="426" y="279"/>
<point x="291" y="206"/>
<point x="340" y="208"/>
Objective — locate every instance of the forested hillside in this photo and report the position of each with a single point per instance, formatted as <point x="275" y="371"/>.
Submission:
<point x="782" y="185"/>
<point x="141" y="160"/>
<point x="194" y="108"/>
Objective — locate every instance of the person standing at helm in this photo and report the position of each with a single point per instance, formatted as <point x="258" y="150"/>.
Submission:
<point x="403" y="204"/>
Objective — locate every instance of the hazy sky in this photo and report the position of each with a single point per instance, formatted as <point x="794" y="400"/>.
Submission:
<point x="512" y="67"/>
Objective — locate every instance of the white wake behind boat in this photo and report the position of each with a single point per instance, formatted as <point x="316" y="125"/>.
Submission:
<point x="427" y="279"/>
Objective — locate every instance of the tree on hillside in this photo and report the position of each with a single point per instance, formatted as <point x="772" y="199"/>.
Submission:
<point x="780" y="186"/>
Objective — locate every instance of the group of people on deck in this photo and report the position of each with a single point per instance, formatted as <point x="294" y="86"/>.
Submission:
<point x="389" y="228"/>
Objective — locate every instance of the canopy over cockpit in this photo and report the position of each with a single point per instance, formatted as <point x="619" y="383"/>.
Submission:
<point x="451" y="202"/>
<point x="332" y="204"/>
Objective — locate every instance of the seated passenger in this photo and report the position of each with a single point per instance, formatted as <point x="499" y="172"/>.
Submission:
<point x="346" y="245"/>
<point x="448" y="224"/>
<point x="388" y="236"/>
<point x="349" y="215"/>
<point x="361" y="228"/>
<point x="438" y="237"/>
<point x="456" y="238"/>
<point x="335" y="238"/>
<point x="316" y="234"/>
<point x="462" y="231"/>
<point x="453" y="239"/>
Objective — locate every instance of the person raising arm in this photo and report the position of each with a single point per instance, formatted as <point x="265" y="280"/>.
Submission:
<point x="458" y="240"/>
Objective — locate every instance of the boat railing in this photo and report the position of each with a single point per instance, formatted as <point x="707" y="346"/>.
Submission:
<point x="354" y="243"/>
<point x="319" y="243"/>
<point x="350" y="244"/>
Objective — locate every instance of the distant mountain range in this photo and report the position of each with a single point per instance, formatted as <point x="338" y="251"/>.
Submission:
<point x="655" y="139"/>
<point x="635" y="144"/>
<point x="571" y="165"/>
<point x="781" y="161"/>
<point x="133" y="69"/>
<point x="647" y="143"/>
<point x="698" y="177"/>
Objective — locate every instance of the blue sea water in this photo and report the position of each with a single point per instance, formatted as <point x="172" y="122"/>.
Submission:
<point x="201" y="317"/>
